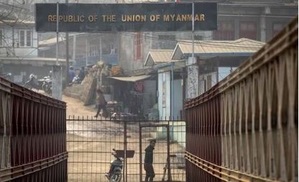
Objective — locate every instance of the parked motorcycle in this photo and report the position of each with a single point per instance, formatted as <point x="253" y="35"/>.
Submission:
<point x="32" y="82"/>
<point x="7" y="76"/>
<point x="116" y="166"/>
<point x="76" y="80"/>
<point x="46" y="84"/>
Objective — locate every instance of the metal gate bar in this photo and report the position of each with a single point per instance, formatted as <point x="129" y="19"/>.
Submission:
<point x="140" y="148"/>
<point x="32" y="135"/>
<point x="257" y="118"/>
<point x="91" y="140"/>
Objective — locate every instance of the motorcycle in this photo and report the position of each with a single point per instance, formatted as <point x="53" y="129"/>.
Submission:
<point x="32" y="82"/>
<point x="116" y="165"/>
<point x="46" y="84"/>
<point x="76" y="80"/>
<point x="7" y="76"/>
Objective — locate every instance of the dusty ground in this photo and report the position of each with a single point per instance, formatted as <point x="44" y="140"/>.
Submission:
<point x="86" y="142"/>
<point x="76" y="107"/>
<point x="90" y="142"/>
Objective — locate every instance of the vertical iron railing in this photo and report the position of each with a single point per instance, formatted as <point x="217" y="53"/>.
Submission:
<point x="32" y="135"/>
<point x="250" y="117"/>
<point x="90" y="142"/>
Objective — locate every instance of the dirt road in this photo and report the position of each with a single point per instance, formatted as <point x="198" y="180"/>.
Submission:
<point x="75" y="107"/>
<point x="90" y="141"/>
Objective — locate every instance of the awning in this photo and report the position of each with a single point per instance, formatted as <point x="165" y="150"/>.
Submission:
<point x="131" y="78"/>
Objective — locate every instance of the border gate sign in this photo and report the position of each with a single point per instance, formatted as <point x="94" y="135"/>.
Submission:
<point x="125" y="17"/>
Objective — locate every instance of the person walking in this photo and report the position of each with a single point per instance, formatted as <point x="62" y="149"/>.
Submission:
<point x="82" y="74"/>
<point x="100" y="102"/>
<point x="71" y="74"/>
<point x="148" y="161"/>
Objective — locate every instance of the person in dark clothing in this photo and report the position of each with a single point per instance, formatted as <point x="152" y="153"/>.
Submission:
<point x="71" y="74"/>
<point x="100" y="102"/>
<point x="148" y="161"/>
<point x="82" y="74"/>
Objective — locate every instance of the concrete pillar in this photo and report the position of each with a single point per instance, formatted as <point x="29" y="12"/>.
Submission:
<point x="57" y="82"/>
<point x="263" y="28"/>
<point x="263" y="24"/>
<point x="237" y="28"/>
<point x="192" y="78"/>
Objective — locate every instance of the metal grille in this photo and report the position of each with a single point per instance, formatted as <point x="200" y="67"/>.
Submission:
<point x="90" y="142"/>
<point x="32" y="135"/>
<point x="246" y="125"/>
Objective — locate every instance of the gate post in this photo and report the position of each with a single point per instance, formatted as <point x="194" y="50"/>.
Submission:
<point x="168" y="148"/>
<point x="140" y="152"/>
<point x="125" y="152"/>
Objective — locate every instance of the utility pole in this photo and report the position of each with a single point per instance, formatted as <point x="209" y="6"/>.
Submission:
<point x="67" y="55"/>
<point x="192" y="79"/>
<point x="57" y="72"/>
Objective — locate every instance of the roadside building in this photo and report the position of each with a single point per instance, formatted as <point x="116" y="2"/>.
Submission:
<point x="256" y="20"/>
<point x="19" y="51"/>
<point x="215" y="60"/>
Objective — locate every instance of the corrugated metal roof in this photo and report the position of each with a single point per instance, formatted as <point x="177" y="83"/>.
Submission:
<point x="160" y="56"/>
<point x="157" y="56"/>
<point x="212" y="48"/>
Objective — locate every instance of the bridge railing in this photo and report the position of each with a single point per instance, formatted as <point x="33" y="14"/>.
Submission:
<point x="32" y="135"/>
<point x="246" y="125"/>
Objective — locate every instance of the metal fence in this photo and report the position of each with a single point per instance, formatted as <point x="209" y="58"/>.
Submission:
<point x="247" y="125"/>
<point x="32" y="135"/>
<point x="90" y="142"/>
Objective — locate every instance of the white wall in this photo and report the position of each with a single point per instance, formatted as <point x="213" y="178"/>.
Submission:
<point x="224" y="72"/>
<point x="203" y="81"/>
<point x="164" y="96"/>
<point x="177" y="132"/>
<point x="178" y="99"/>
<point x="127" y="50"/>
<point x="126" y="53"/>
<point x="11" y="35"/>
<point x="150" y="94"/>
